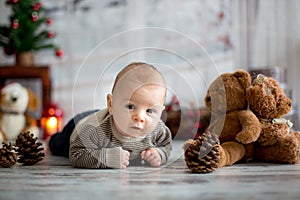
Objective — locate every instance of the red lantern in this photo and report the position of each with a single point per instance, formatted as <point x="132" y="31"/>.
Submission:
<point x="52" y="120"/>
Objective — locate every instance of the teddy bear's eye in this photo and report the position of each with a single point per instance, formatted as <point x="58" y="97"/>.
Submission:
<point x="282" y="100"/>
<point x="207" y="99"/>
<point x="278" y="104"/>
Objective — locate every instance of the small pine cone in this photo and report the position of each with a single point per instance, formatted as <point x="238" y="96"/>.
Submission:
<point x="29" y="149"/>
<point x="8" y="156"/>
<point x="202" y="154"/>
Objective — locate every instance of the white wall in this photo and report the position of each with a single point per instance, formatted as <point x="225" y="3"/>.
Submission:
<point x="267" y="35"/>
<point x="190" y="45"/>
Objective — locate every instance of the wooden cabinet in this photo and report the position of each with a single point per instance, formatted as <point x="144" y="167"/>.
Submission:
<point x="39" y="72"/>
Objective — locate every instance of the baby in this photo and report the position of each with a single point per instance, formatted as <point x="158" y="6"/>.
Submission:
<point x="129" y="128"/>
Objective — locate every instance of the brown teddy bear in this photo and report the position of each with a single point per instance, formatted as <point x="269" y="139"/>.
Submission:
<point x="269" y="103"/>
<point x="237" y="127"/>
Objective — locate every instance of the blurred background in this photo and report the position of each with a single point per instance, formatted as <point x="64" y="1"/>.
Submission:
<point x="190" y="41"/>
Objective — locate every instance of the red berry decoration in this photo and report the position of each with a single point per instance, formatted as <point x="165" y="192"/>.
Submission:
<point x="51" y="34"/>
<point x="36" y="6"/>
<point x="34" y="16"/>
<point x="15" y="24"/>
<point x="13" y="1"/>
<point x="49" y="22"/>
<point x="59" y="53"/>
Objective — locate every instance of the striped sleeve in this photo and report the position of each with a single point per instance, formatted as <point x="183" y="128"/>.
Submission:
<point x="89" y="147"/>
<point x="84" y="152"/>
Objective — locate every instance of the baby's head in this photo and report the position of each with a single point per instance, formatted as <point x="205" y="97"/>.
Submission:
<point x="137" y="99"/>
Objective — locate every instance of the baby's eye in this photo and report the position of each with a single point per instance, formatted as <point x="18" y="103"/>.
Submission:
<point x="130" y="106"/>
<point x="150" y="111"/>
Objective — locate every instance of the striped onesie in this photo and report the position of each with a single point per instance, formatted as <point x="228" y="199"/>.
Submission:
<point x="96" y="143"/>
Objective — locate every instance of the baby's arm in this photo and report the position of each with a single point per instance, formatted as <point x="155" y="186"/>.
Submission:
<point x="117" y="158"/>
<point x="86" y="151"/>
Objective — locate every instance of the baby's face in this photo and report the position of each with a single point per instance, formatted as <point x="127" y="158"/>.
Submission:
<point x="136" y="113"/>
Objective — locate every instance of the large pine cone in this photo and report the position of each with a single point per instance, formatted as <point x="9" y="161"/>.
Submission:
<point x="8" y="156"/>
<point x="202" y="154"/>
<point x="29" y="149"/>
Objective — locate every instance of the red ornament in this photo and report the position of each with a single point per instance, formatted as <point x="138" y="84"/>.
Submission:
<point x="15" y="24"/>
<point x="8" y="2"/>
<point x="49" y="21"/>
<point x="51" y="34"/>
<point x="59" y="53"/>
<point x="36" y="6"/>
<point x="34" y="16"/>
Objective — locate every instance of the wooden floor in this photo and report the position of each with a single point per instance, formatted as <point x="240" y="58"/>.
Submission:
<point x="54" y="178"/>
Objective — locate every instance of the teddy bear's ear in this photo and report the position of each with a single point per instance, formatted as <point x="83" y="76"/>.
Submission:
<point x="243" y="77"/>
<point x="33" y="102"/>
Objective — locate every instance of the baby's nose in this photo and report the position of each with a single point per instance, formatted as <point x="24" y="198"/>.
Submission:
<point x="138" y="118"/>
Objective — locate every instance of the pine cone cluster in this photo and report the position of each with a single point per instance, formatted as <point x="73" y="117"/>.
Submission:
<point x="29" y="149"/>
<point x="202" y="154"/>
<point x="26" y="150"/>
<point x="8" y="155"/>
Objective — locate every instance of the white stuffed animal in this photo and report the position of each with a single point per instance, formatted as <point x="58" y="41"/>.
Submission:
<point x="15" y="100"/>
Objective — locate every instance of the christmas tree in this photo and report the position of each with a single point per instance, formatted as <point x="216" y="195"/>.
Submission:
<point x="28" y="28"/>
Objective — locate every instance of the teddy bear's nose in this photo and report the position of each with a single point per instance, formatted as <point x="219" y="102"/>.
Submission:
<point x="14" y="99"/>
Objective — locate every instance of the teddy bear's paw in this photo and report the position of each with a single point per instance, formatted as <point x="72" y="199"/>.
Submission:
<point x="202" y="154"/>
<point x="285" y="151"/>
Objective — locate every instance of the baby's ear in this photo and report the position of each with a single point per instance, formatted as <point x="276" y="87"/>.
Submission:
<point x="109" y="103"/>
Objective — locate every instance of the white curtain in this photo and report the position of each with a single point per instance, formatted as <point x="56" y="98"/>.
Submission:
<point x="267" y="33"/>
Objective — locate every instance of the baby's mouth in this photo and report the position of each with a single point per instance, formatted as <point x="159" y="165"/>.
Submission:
<point x="136" y="128"/>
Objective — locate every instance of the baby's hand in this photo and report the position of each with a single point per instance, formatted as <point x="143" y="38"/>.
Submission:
<point x="152" y="157"/>
<point x="124" y="158"/>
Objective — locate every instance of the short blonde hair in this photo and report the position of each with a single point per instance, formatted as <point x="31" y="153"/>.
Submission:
<point x="150" y="74"/>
